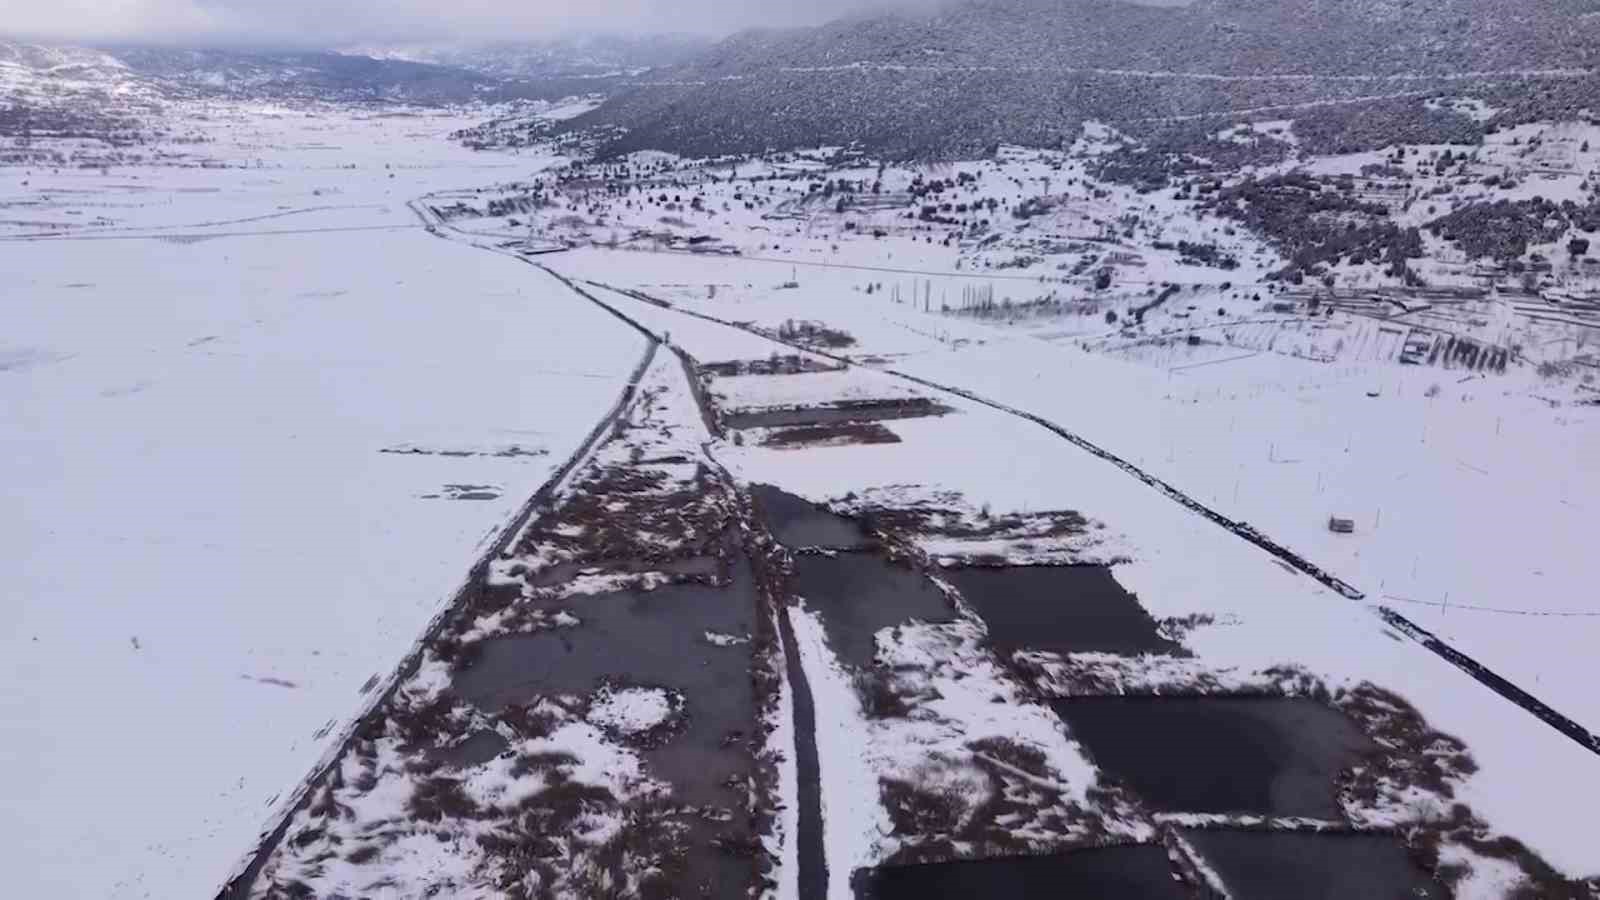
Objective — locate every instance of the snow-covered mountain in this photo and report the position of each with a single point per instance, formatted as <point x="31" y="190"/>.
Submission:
<point x="53" y="90"/>
<point x="320" y="75"/>
<point x="63" y="89"/>
<point x="591" y="56"/>
<point x="1031" y="71"/>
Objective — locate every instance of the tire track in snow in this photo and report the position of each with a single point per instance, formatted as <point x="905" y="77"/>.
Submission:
<point x="811" y="851"/>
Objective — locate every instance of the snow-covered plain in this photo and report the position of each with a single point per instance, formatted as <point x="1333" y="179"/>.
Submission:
<point x="245" y="464"/>
<point x="258" y="335"/>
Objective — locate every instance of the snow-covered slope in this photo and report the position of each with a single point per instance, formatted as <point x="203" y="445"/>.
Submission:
<point x="959" y="80"/>
<point x="63" y="89"/>
<point x="60" y="88"/>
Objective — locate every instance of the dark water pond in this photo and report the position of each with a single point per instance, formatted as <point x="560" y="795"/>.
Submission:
<point x="797" y="522"/>
<point x="860" y="593"/>
<point x="476" y="750"/>
<point x="1060" y="608"/>
<point x="1111" y="873"/>
<point x="653" y="638"/>
<point x="1271" y="756"/>
<point x="1265" y="866"/>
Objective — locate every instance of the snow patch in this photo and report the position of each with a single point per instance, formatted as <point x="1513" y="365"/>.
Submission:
<point x="633" y="710"/>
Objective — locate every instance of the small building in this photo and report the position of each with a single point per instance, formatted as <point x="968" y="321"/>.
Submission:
<point x="1341" y="526"/>
<point x="1416" y="348"/>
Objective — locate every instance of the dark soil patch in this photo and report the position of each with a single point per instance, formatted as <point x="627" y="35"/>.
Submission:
<point x="1272" y="756"/>
<point x="511" y="452"/>
<point x="796" y="522"/>
<point x="464" y="492"/>
<point x="787" y="364"/>
<point x="640" y="514"/>
<point x="836" y="413"/>
<point x="1418" y="757"/>
<point x="813" y="334"/>
<point x="858" y="594"/>
<point x="439" y="798"/>
<point x="917" y="809"/>
<point x="1124" y="873"/>
<point x="1059" y="608"/>
<point x="1267" y="866"/>
<point x="952" y="521"/>
<point x="852" y="433"/>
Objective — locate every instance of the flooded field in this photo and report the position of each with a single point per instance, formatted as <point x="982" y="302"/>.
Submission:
<point x="477" y="749"/>
<point x="1271" y="756"/>
<point x="1058" y="608"/>
<point x="656" y="639"/>
<point x="798" y="523"/>
<point x="859" y="593"/>
<point x="1268" y="866"/>
<point x="1123" y="873"/>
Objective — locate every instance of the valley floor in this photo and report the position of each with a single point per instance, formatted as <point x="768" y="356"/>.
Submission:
<point x="244" y="470"/>
<point x="749" y="545"/>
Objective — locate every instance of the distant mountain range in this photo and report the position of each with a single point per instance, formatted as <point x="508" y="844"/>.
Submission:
<point x="71" y="90"/>
<point x="604" y="57"/>
<point x="54" y="89"/>
<point x="1353" y="74"/>
<point x="1030" y="71"/>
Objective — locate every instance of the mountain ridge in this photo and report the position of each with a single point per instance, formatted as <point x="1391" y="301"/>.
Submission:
<point x="974" y="74"/>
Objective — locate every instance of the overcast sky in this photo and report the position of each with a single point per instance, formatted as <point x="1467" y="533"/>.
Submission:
<point x="336" y="22"/>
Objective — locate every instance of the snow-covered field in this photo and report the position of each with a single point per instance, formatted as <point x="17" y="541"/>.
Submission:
<point x="1470" y="504"/>
<point x="244" y="469"/>
<point x="1532" y="782"/>
<point x="258" y="422"/>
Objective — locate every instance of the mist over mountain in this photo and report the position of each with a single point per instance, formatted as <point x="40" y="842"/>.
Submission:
<point x="600" y="56"/>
